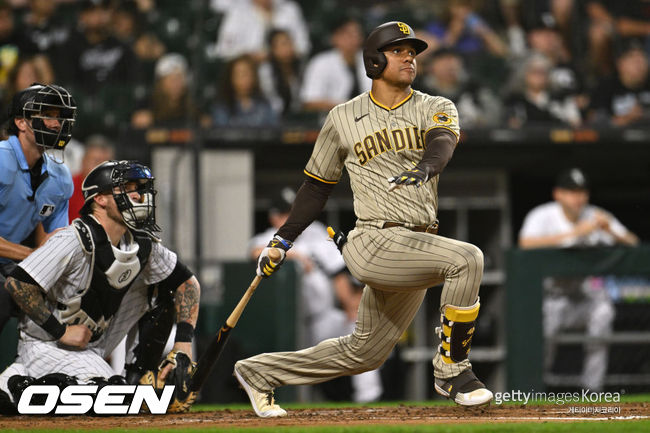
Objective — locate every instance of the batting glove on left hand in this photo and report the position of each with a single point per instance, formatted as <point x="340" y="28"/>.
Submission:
<point x="265" y="266"/>
<point x="416" y="176"/>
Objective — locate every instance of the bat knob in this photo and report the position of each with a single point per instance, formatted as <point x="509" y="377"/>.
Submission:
<point x="275" y="255"/>
<point x="331" y="232"/>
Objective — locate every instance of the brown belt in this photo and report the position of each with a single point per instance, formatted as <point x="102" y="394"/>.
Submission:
<point x="430" y="228"/>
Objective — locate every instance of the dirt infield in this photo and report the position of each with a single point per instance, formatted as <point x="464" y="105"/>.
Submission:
<point x="343" y="416"/>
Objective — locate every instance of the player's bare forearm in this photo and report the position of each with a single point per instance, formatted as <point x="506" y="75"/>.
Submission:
<point x="629" y="239"/>
<point x="187" y="299"/>
<point x="544" y="241"/>
<point x="13" y="251"/>
<point x="29" y="298"/>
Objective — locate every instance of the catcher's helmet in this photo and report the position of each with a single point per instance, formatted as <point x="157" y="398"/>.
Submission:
<point x="388" y="33"/>
<point x="34" y="103"/>
<point x="112" y="177"/>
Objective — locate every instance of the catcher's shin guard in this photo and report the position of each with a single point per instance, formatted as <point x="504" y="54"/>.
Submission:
<point x="456" y="332"/>
<point x="153" y="331"/>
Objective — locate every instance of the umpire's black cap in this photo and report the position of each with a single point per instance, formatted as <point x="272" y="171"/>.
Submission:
<point x="573" y="179"/>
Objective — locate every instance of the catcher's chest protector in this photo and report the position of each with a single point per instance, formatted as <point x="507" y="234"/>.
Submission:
<point x="111" y="278"/>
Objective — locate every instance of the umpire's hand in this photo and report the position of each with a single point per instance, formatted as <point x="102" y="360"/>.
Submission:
<point x="76" y="336"/>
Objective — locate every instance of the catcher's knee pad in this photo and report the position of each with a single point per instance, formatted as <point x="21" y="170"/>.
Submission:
<point x="456" y="332"/>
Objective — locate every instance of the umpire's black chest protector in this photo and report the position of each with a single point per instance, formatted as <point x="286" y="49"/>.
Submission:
<point x="110" y="279"/>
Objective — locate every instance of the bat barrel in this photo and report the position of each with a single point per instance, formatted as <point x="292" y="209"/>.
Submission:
<point x="207" y="361"/>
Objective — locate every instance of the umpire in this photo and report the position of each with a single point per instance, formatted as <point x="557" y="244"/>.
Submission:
<point x="34" y="184"/>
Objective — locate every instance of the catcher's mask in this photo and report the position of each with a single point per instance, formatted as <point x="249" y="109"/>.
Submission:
<point x="122" y="179"/>
<point x="386" y="34"/>
<point x="40" y="104"/>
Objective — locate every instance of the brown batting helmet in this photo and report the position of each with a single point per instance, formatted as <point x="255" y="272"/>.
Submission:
<point x="388" y="33"/>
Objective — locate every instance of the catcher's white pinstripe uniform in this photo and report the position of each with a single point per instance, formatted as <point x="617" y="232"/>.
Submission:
<point x="63" y="270"/>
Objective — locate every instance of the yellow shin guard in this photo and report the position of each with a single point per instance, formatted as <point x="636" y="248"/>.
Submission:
<point x="456" y="332"/>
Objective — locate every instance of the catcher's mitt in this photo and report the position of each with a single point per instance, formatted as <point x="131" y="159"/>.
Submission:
<point x="180" y="376"/>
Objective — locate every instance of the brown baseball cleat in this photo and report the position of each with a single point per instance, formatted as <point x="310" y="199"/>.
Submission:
<point x="465" y="389"/>
<point x="263" y="402"/>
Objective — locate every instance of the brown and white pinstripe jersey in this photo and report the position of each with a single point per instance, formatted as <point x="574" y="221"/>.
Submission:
<point x="375" y="142"/>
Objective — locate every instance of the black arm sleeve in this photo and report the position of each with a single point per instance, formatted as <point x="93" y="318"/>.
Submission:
<point x="440" y="145"/>
<point x="20" y="274"/>
<point x="179" y="275"/>
<point x="307" y="205"/>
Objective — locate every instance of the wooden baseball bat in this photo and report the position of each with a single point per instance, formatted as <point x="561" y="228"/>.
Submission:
<point x="211" y="355"/>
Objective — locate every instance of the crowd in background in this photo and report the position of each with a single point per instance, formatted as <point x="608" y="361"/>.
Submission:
<point x="260" y="63"/>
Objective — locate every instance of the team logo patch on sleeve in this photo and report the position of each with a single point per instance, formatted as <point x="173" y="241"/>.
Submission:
<point x="442" y="118"/>
<point x="47" y="210"/>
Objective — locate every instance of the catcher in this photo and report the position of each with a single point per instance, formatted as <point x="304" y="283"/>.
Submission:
<point x="104" y="276"/>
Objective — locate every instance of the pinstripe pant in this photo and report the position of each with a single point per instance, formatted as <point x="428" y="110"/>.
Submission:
<point x="397" y="266"/>
<point x="38" y="358"/>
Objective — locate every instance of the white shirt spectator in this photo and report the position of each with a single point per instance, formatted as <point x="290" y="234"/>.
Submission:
<point x="245" y="26"/>
<point x="549" y="219"/>
<point x="328" y="77"/>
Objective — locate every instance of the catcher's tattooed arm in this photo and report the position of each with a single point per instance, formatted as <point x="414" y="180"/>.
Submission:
<point x="187" y="313"/>
<point x="187" y="301"/>
<point x="29" y="298"/>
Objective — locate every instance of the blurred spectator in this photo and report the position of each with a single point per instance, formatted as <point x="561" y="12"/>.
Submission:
<point x="336" y="75"/>
<point x="633" y="21"/>
<point x="612" y="22"/>
<point x="241" y="102"/>
<point x="13" y="44"/>
<point x="624" y="99"/>
<point x="601" y="32"/>
<point x="564" y="79"/>
<point x="324" y="282"/>
<point x="446" y="76"/>
<point x="103" y="70"/>
<point x="129" y="26"/>
<point x="570" y="221"/>
<point x="511" y="11"/>
<point x="531" y="102"/>
<point x="559" y="14"/>
<point x="463" y="29"/>
<point x="170" y="103"/>
<point x="281" y="74"/>
<point x="246" y="24"/>
<point x="25" y="72"/>
<point x="95" y="56"/>
<point x="45" y="29"/>
<point x="97" y="150"/>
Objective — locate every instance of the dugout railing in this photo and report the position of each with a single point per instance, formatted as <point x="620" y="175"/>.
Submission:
<point x="626" y="273"/>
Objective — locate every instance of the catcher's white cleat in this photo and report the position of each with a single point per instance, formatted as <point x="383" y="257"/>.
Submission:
<point x="263" y="402"/>
<point x="465" y="389"/>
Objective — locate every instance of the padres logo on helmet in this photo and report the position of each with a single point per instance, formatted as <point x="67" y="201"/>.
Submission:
<point x="388" y="33"/>
<point x="404" y="28"/>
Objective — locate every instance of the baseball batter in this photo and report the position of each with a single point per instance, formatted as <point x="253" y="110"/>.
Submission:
<point x="394" y="142"/>
<point x="87" y="287"/>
